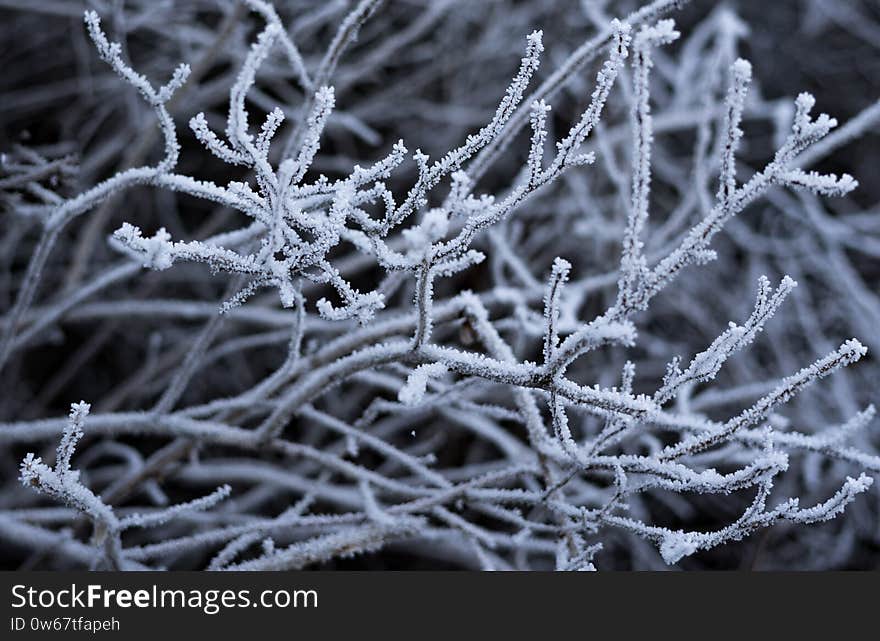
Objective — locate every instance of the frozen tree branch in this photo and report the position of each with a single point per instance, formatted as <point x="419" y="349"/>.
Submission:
<point x="515" y="350"/>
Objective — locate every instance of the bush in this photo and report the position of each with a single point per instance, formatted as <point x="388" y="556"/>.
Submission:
<point x="561" y="333"/>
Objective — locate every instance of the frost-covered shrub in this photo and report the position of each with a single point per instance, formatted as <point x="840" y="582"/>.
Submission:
<point x="377" y="301"/>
